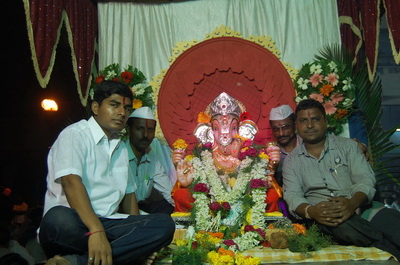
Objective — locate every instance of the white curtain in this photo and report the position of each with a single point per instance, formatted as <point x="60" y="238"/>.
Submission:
<point x="144" y="35"/>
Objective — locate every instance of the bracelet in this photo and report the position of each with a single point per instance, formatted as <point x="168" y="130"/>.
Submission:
<point x="91" y="233"/>
<point x="306" y="212"/>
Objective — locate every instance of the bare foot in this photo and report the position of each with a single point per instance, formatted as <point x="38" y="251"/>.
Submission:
<point x="57" y="260"/>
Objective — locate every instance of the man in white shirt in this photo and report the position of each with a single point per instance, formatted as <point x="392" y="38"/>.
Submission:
<point x="154" y="187"/>
<point x="91" y="213"/>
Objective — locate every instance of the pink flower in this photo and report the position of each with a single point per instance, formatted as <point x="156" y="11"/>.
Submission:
<point x="247" y="143"/>
<point x="329" y="107"/>
<point x="258" y="183"/>
<point x="215" y="206"/>
<point x="201" y="187"/>
<point x="317" y="97"/>
<point x="230" y="242"/>
<point x="336" y="98"/>
<point x="207" y="145"/>
<point x="332" y="78"/>
<point x="316" y="79"/>
<point x="249" y="152"/>
<point x="226" y="206"/>
<point x="250" y="228"/>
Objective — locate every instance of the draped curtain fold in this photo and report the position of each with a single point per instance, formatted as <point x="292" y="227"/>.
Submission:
<point x="145" y="35"/>
<point x="360" y="24"/>
<point x="45" y="19"/>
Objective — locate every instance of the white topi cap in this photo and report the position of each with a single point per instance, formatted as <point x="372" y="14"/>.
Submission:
<point x="280" y="113"/>
<point x="143" y="113"/>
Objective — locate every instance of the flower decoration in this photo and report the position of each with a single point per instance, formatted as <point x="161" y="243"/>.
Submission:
<point x="258" y="183"/>
<point x="201" y="187"/>
<point x="203" y="117"/>
<point x="245" y="116"/>
<point x="180" y="144"/>
<point x="330" y="83"/>
<point x="133" y="78"/>
<point x="220" y="207"/>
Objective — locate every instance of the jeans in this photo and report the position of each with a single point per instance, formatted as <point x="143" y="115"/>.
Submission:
<point x="62" y="233"/>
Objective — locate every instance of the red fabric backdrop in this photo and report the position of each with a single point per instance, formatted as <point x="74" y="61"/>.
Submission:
<point x="46" y="17"/>
<point x="365" y="19"/>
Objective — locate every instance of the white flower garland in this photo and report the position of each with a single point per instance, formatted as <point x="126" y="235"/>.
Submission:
<point x="205" y="172"/>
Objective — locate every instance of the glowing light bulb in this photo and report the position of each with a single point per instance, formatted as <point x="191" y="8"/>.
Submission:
<point x="49" y="105"/>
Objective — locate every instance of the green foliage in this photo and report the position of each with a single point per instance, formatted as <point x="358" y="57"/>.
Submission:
<point x="313" y="240"/>
<point x="181" y="256"/>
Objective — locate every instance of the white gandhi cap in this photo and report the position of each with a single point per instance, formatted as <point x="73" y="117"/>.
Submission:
<point x="280" y="113"/>
<point x="143" y="113"/>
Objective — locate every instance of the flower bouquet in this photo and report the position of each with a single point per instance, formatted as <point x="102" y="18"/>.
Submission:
<point x="329" y="82"/>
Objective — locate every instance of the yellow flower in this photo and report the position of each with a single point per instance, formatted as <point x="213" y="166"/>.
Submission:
<point x="203" y="118"/>
<point x="180" y="144"/>
<point x="189" y="158"/>
<point x="264" y="156"/>
<point x="181" y="242"/>
<point x="237" y="136"/>
<point x="137" y="103"/>
<point x="232" y="182"/>
<point x="249" y="216"/>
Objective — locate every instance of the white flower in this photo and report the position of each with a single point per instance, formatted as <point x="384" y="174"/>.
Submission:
<point x="139" y="89"/>
<point x="347" y="84"/>
<point x="190" y="233"/>
<point x="303" y="83"/>
<point x="205" y="172"/>
<point x="316" y="69"/>
<point x="298" y="99"/>
<point x="333" y="66"/>
<point x="111" y="75"/>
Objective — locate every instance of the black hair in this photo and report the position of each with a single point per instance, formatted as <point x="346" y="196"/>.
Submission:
<point x="292" y="117"/>
<point x="107" y="88"/>
<point x="309" y="104"/>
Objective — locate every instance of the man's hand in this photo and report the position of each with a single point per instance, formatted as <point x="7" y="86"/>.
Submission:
<point x="99" y="249"/>
<point x="326" y="213"/>
<point x="330" y="213"/>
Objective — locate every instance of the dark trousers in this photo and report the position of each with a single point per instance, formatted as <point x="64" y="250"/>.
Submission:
<point x="161" y="206"/>
<point x="381" y="232"/>
<point x="131" y="239"/>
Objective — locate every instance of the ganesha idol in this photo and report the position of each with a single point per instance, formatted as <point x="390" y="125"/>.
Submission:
<point x="226" y="166"/>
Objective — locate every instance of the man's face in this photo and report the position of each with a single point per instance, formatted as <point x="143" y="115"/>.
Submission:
<point x="284" y="131"/>
<point x="141" y="133"/>
<point x="311" y="125"/>
<point x="112" y="113"/>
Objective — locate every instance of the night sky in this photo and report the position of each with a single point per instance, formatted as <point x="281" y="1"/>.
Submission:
<point x="28" y="131"/>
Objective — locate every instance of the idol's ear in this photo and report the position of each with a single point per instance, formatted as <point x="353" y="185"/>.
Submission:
<point x="248" y="129"/>
<point x="203" y="133"/>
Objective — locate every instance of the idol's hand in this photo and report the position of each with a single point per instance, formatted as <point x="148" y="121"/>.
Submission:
<point x="184" y="173"/>
<point x="177" y="156"/>
<point x="274" y="154"/>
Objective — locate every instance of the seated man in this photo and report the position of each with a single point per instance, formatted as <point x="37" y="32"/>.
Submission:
<point x="328" y="180"/>
<point x="226" y="132"/>
<point x="91" y="213"/>
<point x="154" y="187"/>
<point x="282" y="121"/>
